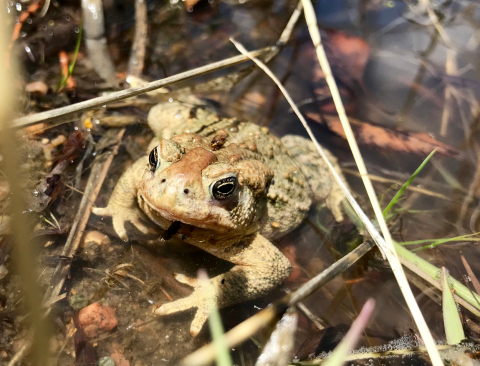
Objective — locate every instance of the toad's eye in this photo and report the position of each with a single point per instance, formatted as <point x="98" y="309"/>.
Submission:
<point x="223" y="188"/>
<point x="154" y="160"/>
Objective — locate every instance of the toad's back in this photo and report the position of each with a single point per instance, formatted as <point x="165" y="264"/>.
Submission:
<point x="298" y="169"/>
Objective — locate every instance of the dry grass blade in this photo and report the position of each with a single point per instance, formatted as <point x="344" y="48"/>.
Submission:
<point x="386" y="246"/>
<point x="23" y="254"/>
<point x="243" y="331"/>
<point x="351" y="338"/>
<point x="71" y="110"/>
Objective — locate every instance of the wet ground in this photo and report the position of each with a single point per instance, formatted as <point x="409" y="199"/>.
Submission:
<point x="391" y="70"/>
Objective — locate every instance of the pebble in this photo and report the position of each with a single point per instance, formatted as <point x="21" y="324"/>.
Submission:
<point x="275" y="224"/>
<point x="95" y="319"/>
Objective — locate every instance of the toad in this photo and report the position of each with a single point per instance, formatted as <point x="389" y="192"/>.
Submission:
<point x="226" y="186"/>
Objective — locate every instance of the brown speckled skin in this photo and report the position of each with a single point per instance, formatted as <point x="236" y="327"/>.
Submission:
<point x="271" y="198"/>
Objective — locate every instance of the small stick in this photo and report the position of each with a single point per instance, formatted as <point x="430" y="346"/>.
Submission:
<point x="243" y="331"/>
<point x="71" y="110"/>
<point x="473" y="278"/>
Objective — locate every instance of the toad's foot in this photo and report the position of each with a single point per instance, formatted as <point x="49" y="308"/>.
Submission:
<point x="122" y="214"/>
<point x="195" y="300"/>
<point x="259" y="267"/>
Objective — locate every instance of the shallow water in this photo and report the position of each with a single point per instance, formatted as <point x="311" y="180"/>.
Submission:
<point x="389" y="92"/>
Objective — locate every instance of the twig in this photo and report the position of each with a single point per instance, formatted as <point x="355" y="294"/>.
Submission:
<point x="287" y="32"/>
<point x="243" y="331"/>
<point x="71" y="110"/>
<point x="97" y="175"/>
<point x="308" y="314"/>
<point x="471" y="194"/>
<point x="386" y="245"/>
<point x="438" y="26"/>
<point x="471" y="275"/>
<point x="450" y="69"/>
<point x="137" y="54"/>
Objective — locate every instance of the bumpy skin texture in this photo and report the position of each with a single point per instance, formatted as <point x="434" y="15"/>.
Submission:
<point x="263" y="195"/>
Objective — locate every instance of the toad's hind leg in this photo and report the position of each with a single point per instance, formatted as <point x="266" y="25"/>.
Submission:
<point x="325" y="189"/>
<point x="259" y="267"/>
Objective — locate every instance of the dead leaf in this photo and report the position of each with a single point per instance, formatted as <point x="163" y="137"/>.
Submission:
<point x="387" y="138"/>
<point x="348" y="56"/>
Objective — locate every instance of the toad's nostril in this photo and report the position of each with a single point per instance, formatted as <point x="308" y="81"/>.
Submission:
<point x="186" y="191"/>
<point x="163" y="180"/>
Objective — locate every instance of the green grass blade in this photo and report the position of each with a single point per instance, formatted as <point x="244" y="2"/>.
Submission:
<point x="451" y="318"/>
<point x="433" y="241"/>
<point x="447" y="240"/>
<point x="407" y="183"/>
<point x="434" y="272"/>
<point x="215" y="323"/>
<point x="63" y="82"/>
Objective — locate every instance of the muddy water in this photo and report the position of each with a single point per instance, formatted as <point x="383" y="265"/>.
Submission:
<point x="401" y="86"/>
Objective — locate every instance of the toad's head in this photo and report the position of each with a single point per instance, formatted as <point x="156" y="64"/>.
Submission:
<point x="190" y="180"/>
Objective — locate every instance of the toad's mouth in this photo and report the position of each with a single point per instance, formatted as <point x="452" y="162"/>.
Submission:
<point x="184" y="219"/>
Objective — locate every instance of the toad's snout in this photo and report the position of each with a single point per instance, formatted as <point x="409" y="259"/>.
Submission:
<point x="185" y="176"/>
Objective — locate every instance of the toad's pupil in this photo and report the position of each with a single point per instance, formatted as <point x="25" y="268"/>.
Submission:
<point x="224" y="188"/>
<point x="153" y="160"/>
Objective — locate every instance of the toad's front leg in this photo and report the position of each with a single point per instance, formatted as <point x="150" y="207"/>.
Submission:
<point x="123" y="206"/>
<point x="259" y="267"/>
